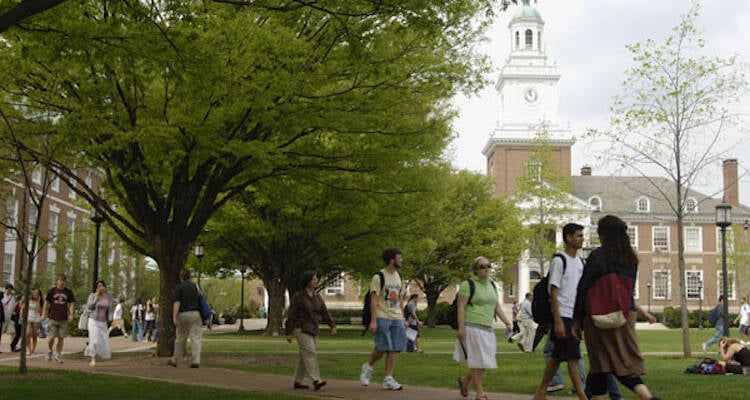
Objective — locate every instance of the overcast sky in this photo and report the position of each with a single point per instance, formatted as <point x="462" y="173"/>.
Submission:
<point x="587" y="39"/>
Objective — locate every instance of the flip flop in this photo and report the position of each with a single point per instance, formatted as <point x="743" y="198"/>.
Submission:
<point x="462" y="388"/>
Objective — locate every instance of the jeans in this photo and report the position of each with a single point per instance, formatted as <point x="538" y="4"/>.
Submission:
<point x="137" y="325"/>
<point x="719" y="334"/>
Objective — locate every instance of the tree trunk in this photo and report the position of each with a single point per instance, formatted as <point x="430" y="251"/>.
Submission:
<point x="169" y="277"/>
<point x="276" y="290"/>
<point x="431" y="310"/>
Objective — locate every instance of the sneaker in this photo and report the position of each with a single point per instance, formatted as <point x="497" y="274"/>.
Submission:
<point x="49" y="356"/>
<point x="171" y="363"/>
<point x="365" y="374"/>
<point x="555" y="388"/>
<point x="704" y="347"/>
<point x="390" y="384"/>
<point x="58" y="358"/>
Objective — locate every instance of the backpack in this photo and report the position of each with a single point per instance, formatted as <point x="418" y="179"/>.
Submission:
<point x="367" y="307"/>
<point x="713" y="315"/>
<point x="452" y="317"/>
<point x="541" y="307"/>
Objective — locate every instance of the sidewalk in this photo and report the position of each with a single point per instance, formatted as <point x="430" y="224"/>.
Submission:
<point x="153" y="368"/>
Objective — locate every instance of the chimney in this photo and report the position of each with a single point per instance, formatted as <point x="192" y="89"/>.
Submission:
<point x="586" y="170"/>
<point x="731" y="189"/>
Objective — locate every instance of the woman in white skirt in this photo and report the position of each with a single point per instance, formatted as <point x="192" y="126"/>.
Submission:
<point x="475" y="340"/>
<point x="100" y="309"/>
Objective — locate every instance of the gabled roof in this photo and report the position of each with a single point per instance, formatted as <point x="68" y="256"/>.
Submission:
<point x="618" y="196"/>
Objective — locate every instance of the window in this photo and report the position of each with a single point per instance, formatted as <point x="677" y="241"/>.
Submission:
<point x="518" y="40"/>
<point x="693" y="239"/>
<point x="36" y="175"/>
<point x="511" y="290"/>
<point x="71" y="192"/>
<point x="595" y="202"/>
<point x="55" y="184"/>
<point x="11" y="215"/>
<point x="534" y="275"/>
<point x="691" y="205"/>
<point x="8" y="267"/>
<point x="529" y="39"/>
<point x="662" y="288"/>
<point x="54" y="220"/>
<point x="642" y="204"/>
<point x="730" y="284"/>
<point x="88" y="180"/>
<point x="335" y="285"/>
<point x="694" y="280"/>
<point x="633" y="234"/>
<point x="539" y="40"/>
<point x="533" y="170"/>
<point x="730" y="240"/>
<point x="660" y="238"/>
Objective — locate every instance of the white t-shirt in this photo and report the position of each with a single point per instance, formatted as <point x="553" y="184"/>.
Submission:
<point x="118" y="311"/>
<point x="744" y="318"/>
<point x="566" y="283"/>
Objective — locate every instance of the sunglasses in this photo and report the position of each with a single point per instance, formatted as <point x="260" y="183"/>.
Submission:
<point x="484" y="266"/>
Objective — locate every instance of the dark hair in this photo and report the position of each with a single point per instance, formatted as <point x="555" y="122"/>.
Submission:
<point x="613" y="234"/>
<point x="721" y="297"/>
<point x="102" y="282"/>
<point x="9" y="286"/>
<point x="413" y="296"/>
<point x="390" y="254"/>
<point x="184" y="274"/>
<point x="570" y="229"/>
<point x="306" y="278"/>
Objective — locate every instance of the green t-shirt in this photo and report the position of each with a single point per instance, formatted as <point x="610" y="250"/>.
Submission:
<point x="481" y="311"/>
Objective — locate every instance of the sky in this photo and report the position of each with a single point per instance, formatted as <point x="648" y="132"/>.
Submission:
<point x="586" y="39"/>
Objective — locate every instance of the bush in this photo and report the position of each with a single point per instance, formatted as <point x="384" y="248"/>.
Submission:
<point x="674" y="318"/>
<point x="441" y="313"/>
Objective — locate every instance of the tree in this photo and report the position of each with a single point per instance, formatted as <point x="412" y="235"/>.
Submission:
<point x="462" y="222"/>
<point x="673" y="117"/>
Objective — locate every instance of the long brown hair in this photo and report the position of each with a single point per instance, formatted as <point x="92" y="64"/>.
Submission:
<point x="613" y="233"/>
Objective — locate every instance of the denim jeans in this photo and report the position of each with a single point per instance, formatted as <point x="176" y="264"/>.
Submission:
<point x="719" y="334"/>
<point x="137" y="326"/>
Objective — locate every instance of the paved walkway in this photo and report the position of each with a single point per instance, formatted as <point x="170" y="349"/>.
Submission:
<point x="156" y="369"/>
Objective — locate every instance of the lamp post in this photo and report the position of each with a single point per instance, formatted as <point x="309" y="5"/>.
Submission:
<point x="199" y="256"/>
<point x="648" y="287"/>
<point x="97" y="218"/>
<point x="243" y="269"/>
<point x="723" y="220"/>
<point x="700" y="305"/>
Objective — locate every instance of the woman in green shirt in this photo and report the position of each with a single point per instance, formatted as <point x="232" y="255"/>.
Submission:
<point x="475" y="340"/>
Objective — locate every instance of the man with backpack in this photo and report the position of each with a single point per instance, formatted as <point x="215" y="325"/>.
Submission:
<point x="528" y="328"/>
<point x="716" y="317"/>
<point x="564" y="273"/>
<point x="386" y="319"/>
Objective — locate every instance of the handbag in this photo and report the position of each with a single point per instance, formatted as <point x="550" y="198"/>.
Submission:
<point x="83" y="320"/>
<point x="205" y="309"/>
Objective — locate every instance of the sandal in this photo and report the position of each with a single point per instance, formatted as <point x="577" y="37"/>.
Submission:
<point x="462" y="388"/>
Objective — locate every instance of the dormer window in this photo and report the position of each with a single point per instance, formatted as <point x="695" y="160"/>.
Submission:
<point x="691" y="205"/>
<point x="595" y="202"/>
<point x="529" y="39"/>
<point x="642" y="204"/>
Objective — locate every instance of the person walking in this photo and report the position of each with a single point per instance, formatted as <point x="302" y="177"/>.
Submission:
<point x="476" y="343"/>
<point x="34" y="319"/>
<point x="718" y="322"/>
<point x="186" y="317"/>
<point x="387" y="319"/>
<point x="58" y="306"/>
<point x="306" y="310"/>
<point x="528" y="327"/>
<point x="612" y="351"/>
<point x="150" y="320"/>
<point x="743" y="318"/>
<point x="117" y="321"/>
<point x="9" y="306"/>
<point x="136" y="315"/>
<point x="413" y="322"/>
<point x="100" y="309"/>
<point x="563" y="284"/>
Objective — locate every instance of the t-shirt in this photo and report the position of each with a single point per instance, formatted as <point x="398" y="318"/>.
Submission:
<point x="744" y="317"/>
<point x="58" y="300"/>
<point x="187" y="294"/>
<point x="566" y="283"/>
<point x="409" y="311"/>
<point x="526" y="312"/>
<point x="389" y="300"/>
<point x="118" y="311"/>
<point x="482" y="308"/>
<point x="9" y="303"/>
<point x="136" y="312"/>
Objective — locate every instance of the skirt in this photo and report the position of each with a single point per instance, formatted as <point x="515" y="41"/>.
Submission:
<point x="98" y="340"/>
<point x="478" y="349"/>
<point x="613" y="350"/>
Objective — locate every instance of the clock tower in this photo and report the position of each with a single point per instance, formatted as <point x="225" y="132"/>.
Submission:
<point x="529" y="103"/>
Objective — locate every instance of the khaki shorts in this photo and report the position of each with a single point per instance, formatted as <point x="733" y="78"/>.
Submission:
<point x="57" y="328"/>
<point x="118" y="323"/>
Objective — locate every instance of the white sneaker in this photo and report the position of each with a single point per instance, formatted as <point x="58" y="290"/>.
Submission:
<point x="555" y="388"/>
<point x="390" y="384"/>
<point x="365" y="374"/>
<point x="58" y="358"/>
<point x="704" y="347"/>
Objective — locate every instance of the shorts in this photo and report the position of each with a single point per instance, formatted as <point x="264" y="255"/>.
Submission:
<point x="567" y="348"/>
<point x="118" y="324"/>
<point x="744" y="329"/>
<point x="57" y="328"/>
<point x="391" y="335"/>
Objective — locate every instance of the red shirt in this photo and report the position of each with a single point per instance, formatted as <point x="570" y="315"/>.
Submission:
<point x="58" y="303"/>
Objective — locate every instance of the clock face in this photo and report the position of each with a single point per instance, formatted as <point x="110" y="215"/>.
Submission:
<point x="530" y="95"/>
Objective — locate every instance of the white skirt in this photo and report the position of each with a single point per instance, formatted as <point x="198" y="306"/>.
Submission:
<point x="98" y="340"/>
<point x="480" y="346"/>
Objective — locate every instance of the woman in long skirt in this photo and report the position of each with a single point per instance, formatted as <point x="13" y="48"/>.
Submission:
<point x="100" y="310"/>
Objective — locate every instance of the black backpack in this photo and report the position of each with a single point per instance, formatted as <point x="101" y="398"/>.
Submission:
<point x="452" y="318"/>
<point x="366" y="308"/>
<point x="541" y="305"/>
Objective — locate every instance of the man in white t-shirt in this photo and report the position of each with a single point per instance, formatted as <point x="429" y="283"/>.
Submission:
<point x="744" y="319"/>
<point x="563" y="286"/>
<point x="117" y="321"/>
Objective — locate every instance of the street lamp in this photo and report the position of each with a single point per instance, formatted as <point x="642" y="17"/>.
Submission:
<point x="700" y="305"/>
<point x="243" y="269"/>
<point x="199" y="255"/>
<point x="648" y="287"/>
<point x="97" y="218"/>
<point x="723" y="220"/>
